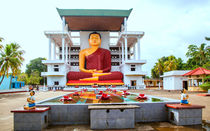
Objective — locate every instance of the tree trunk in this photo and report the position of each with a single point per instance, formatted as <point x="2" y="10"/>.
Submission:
<point x="2" y="79"/>
<point x="10" y="81"/>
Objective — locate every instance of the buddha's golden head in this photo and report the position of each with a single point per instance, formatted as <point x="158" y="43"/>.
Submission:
<point x="94" y="39"/>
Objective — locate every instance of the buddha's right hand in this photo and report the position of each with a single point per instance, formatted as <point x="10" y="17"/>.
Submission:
<point x="100" y="74"/>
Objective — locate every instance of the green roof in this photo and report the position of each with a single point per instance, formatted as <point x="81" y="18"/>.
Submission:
<point x="94" y="12"/>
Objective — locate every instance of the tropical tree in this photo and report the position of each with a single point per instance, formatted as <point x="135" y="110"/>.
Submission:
<point x="11" y="60"/>
<point x="207" y="38"/>
<point x="170" y="64"/>
<point x="198" y="56"/>
<point x="165" y="64"/>
<point x="23" y="77"/>
<point x="34" y="78"/>
<point x="1" y="39"/>
<point x="36" y="64"/>
<point x="1" y="46"/>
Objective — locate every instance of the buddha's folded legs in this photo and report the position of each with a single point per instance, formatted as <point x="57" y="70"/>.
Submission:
<point x="72" y="75"/>
<point x="116" y="75"/>
<point x="82" y="75"/>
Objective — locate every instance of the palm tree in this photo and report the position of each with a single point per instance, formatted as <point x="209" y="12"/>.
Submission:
<point x="199" y="54"/>
<point x="1" y="46"/>
<point x="207" y="38"/>
<point x="159" y="68"/>
<point x="170" y="64"/>
<point x="11" y="60"/>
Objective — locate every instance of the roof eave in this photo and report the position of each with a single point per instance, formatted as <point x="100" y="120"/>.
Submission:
<point x="125" y="14"/>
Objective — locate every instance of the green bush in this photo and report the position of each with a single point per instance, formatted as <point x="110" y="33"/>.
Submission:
<point x="205" y="86"/>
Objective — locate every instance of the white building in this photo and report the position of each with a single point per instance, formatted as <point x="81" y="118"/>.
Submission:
<point x="173" y="80"/>
<point x="64" y="45"/>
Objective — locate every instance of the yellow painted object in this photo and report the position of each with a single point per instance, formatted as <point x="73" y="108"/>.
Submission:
<point x="72" y="84"/>
<point x="195" y="89"/>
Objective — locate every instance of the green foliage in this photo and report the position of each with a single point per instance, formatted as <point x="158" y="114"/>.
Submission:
<point x="207" y="38"/>
<point x="205" y="86"/>
<point x="1" y="39"/>
<point x="36" y="65"/>
<point x="1" y="46"/>
<point x="11" y="59"/>
<point x="198" y="56"/>
<point x="23" y="77"/>
<point x="165" y="64"/>
<point x="34" y="78"/>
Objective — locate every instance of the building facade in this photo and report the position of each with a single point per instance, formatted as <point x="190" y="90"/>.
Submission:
<point x="174" y="80"/>
<point x="65" y="45"/>
<point x="15" y="84"/>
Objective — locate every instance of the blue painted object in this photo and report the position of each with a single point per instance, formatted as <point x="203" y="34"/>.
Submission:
<point x="14" y="85"/>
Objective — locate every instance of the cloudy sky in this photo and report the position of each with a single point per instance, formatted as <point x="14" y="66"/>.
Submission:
<point x="169" y="25"/>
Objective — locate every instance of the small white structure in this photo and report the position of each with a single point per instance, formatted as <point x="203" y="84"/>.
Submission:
<point x="173" y="80"/>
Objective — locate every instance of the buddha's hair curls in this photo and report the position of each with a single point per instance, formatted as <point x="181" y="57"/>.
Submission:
<point x="94" y="33"/>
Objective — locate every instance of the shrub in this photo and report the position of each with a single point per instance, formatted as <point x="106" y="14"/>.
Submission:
<point x="205" y="86"/>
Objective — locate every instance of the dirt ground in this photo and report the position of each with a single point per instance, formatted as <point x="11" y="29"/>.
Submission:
<point x="17" y="100"/>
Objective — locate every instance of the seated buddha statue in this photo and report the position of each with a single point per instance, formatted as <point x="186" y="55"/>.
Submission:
<point x="94" y="63"/>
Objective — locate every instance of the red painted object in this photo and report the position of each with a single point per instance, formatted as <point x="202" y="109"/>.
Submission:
<point x="198" y="71"/>
<point x="99" y="60"/>
<point x="126" y="93"/>
<point x="179" y="106"/>
<point x="37" y="110"/>
<point x="65" y="98"/>
<point x="114" y="91"/>
<point x="100" y="92"/>
<point x="108" y="89"/>
<point x="141" y="97"/>
<point x="76" y="94"/>
<point x="105" y="81"/>
<point x="105" y="97"/>
<point x="206" y="94"/>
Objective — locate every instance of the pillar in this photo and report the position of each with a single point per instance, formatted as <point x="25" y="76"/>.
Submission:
<point x="125" y="24"/>
<point x="54" y="51"/>
<point x="138" y="48"/>
<point x="63" y="43"/>
<point x="134" y="52"/>
<point x="66" y="53"/>
<point x="63" y="23"/>
<point x="49" y="55"/>
<point x="126" y="48"/>
<point x="69" y="54"/>
<point x="123" y="58"/>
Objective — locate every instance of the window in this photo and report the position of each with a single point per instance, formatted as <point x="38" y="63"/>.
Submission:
<point x="133" y="67"/>
<point x="56" y="83"/>
<point x="133" y="82"/>
<point x="56" y="68"/>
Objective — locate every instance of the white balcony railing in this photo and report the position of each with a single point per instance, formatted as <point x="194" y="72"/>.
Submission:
<point x="53" y="73"/>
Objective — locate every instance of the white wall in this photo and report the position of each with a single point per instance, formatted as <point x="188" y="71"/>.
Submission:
<point x="115" y="68"/>
<point x="74" y="68"/>
<point x="52" y="79"/>
<point x="173" y="82"/>
<point x="127" y="68"/>
<point x="62" y="67"/>
<point x="84" y="39"/>
<point x="139" y="80"/>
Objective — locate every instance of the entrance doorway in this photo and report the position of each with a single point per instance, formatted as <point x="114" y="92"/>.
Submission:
<point x="133" y="82"/>
<point x="185" y="85"/>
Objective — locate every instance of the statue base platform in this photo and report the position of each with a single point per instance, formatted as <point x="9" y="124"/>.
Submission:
<point x="185" y="114"/>
<point x="107" y="82"/>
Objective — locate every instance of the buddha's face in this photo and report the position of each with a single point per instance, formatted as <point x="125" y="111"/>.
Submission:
<point x="94" y="40"/>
